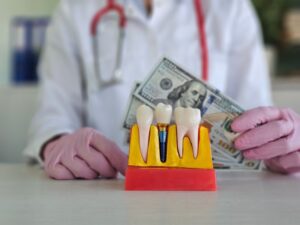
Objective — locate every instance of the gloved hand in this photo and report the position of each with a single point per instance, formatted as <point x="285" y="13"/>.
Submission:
<point x="84" y="154"/>
<point x="271" y="134"/>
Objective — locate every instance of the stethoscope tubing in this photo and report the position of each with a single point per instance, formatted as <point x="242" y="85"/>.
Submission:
<point x="119" y="9"/>
<point x="202" y="39"/>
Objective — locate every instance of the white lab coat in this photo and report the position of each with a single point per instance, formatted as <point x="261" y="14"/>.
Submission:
<point x="236" y="61"/>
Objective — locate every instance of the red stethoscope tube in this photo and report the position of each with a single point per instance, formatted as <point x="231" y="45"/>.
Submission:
<point x="202" y="39"/>
<point x="110" y="6"/>
<point x="113" y="6"/>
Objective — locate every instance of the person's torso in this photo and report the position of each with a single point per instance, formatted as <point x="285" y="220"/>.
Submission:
<point x="171" y="31"/>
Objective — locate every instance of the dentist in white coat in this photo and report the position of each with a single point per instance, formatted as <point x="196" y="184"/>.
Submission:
<point x="76" y="132"/>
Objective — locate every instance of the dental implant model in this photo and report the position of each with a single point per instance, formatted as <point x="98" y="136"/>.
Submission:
<point x="163" y="114"/>
<point x="166" y="156"/>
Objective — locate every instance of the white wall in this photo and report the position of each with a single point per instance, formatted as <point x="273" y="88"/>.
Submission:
<point x="10" y="9"/>
<point x="288" y="98"/>
<point x="286" y="93"/>
<point x="17" y="106"/>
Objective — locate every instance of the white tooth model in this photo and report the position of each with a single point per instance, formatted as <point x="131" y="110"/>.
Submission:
<point x="187" y="122"/>
<point x="144" y="117"/>
<point x="163" y="114"/>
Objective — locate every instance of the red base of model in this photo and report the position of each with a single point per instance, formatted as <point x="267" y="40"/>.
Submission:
<point x="170" y="179"/>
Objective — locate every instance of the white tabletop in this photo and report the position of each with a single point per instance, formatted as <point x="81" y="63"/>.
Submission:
<point x="27" y="196"/>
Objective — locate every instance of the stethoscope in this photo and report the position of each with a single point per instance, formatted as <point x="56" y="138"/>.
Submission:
<point x="112" y="6"/>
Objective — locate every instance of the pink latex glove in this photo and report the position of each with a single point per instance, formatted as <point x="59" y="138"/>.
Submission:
<point x="84" y="154"/>
<point x="271" y="134"/>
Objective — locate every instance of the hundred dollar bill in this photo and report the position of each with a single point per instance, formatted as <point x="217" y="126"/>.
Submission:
<point x="232" y="166"/>
<point x="134" y="103"/>
<point x="170" y="84"/>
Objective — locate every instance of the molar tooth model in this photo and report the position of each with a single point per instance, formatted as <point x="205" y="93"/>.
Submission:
<point x="185" y="167"/>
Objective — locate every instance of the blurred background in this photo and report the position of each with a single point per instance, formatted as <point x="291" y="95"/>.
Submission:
<point x="22" y="29"/>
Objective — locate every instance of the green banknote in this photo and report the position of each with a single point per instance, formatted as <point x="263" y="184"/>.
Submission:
<point x="170" y="84"/>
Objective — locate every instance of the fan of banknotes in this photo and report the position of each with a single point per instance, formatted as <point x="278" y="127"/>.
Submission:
<point x="170" y="84"/>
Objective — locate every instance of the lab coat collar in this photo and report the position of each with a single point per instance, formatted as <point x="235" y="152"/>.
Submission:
<point x="135" y="8"/>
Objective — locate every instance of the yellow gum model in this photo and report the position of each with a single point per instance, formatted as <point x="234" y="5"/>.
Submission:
<point x="202" y="161"/>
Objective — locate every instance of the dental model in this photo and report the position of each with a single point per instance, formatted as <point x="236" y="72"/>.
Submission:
<point x="187" y="122"/>
<point x="144" y="117"/>
<point x="163" y="114"/>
